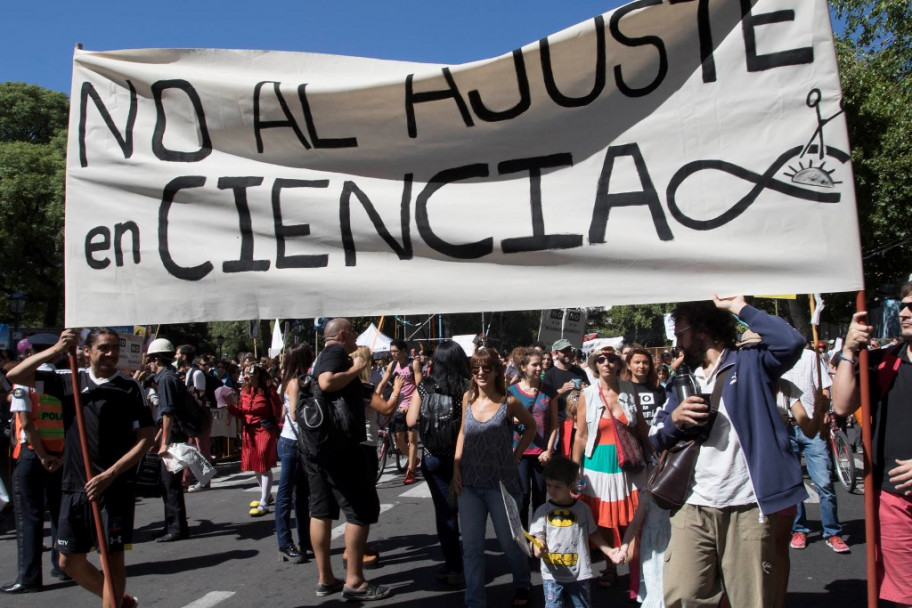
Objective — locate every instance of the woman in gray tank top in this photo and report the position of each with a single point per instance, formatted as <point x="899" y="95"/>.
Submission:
<point x="485" y="457"/>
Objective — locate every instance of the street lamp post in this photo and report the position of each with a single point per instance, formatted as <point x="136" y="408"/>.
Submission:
<point x="219" y="340"/>
<point x="17" y="302"/>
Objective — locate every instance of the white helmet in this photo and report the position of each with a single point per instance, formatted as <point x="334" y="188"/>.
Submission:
<point x="161" y="346"/>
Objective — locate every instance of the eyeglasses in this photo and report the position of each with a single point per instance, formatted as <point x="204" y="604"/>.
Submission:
<point x="678" y="332"/>
<point x="609" y="358"/>
<point x="485" y="369"/>
<point x="905" y="306"/>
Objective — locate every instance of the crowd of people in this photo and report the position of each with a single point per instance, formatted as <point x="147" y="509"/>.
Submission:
<point x="566" y="441"/>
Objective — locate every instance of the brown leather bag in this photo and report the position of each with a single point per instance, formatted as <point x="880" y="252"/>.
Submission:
<point x="670" y="479"/>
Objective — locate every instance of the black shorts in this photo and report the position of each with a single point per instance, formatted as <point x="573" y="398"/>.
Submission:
<point x="398" y="424"/>
<point x="346" y="483"/>
<point x="75" y="529"/>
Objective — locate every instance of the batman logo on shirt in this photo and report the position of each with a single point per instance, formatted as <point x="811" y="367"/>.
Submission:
<point x="561" y="518"/>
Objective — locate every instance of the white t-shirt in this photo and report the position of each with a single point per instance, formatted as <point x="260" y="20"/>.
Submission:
<point x="196" y="379"/>
<point x="721" y="478"/>
<point x="804" y="376"/>
<point x="289" y="428"/>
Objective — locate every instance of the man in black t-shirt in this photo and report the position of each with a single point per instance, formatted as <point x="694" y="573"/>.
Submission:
<point x="560" y="376"/>
<point x="118" y="428"/>
<point x="890" y="374"/>
<point x="345" y="479"/>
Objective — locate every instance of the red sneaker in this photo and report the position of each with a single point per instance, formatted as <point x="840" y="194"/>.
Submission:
<point x="410" y="478"/>
<point x="799" y="540"/>
<point x="836" y="544"/>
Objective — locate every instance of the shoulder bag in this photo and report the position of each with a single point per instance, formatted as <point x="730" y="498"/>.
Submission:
<point x="670" y="479"/>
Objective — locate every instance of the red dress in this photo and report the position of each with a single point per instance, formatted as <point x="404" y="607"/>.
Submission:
<point x="259" y="413"/>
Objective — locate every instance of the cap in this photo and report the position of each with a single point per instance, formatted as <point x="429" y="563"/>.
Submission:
<point x="561" y="345"/>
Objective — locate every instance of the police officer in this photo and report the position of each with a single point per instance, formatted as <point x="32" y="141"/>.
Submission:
<point x="38" y="451"/>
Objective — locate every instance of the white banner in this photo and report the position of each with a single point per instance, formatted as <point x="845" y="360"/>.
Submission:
<point x="658" y="152"/>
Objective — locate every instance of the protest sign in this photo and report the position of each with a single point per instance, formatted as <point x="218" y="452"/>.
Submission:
<point x="659" y="152"/>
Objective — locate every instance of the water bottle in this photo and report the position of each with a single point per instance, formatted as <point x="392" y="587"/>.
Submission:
<point x="685" y="385"/>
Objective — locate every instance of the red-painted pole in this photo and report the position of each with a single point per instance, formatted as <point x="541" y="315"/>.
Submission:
<point x="86" y="461"/>
<point x="870" y="493"/>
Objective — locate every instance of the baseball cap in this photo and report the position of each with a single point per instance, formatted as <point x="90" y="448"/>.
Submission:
<point x="561" y="345"/>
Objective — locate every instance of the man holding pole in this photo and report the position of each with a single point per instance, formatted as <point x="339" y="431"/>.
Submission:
<point x="119" y="431"/>
<point x="890" y="374"/>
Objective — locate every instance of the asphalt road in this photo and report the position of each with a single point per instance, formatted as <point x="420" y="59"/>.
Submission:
<point x="231" y="560"/>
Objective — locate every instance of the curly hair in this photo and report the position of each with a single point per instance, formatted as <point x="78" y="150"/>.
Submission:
<point x="704" y="316"/>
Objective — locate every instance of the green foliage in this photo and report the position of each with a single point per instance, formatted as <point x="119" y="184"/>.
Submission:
<point x="644" y="324"/>
<point x="30" y="113"/>
<point x="31" y="225"/>
<point x="875" y="64"/>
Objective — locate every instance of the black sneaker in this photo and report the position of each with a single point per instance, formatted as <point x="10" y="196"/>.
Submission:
<point x="368" y="593"/>
<point x="324" y="590"/>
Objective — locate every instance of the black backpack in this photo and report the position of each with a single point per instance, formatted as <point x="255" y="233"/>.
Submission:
<point x="212" y="383"/>
<point x="190" y="413"/>
<point x="439" y="424"/>
<point x="324" y="426"/>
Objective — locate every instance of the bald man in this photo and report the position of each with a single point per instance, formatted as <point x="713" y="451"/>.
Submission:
<point x="343" y="478"/>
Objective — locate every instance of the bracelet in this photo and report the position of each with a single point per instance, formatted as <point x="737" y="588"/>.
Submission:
<point x="841" y="357"/>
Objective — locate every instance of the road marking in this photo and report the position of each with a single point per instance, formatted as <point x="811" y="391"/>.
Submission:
<point x="339" y="530"/>
<point x="421" y="490"/>
<point x="210" y="599"/>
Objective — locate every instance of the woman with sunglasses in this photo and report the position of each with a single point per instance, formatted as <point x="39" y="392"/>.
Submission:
<point x="610" y="491"/>
<point x="485" y="458"/>
<point x="537" y="399"/>
<point x="259" y="410"/>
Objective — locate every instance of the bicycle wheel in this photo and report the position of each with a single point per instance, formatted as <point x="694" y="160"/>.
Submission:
<point x="382" y="455"/>
<point x="843" y="459"/>
<point x="401" y="459"/>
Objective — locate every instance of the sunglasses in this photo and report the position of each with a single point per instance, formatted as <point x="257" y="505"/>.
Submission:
<point x="485" y="369"/>
<point x="608" y="358"/>
<point x="905" y="306"/>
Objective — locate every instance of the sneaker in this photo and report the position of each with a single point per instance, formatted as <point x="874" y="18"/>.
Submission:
<point x="198" y="487"/>
<point x="799" y="540"/>
<point x="837" y="544"/>
<point x="410" y="478"/>
<point x="324" y="590"/>
<point x="258" y="511"/>
<point x="129" y="601"/>
<point x="368" y="593"/>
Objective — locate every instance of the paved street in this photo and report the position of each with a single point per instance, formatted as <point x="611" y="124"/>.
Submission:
<point x="231" y="559"/>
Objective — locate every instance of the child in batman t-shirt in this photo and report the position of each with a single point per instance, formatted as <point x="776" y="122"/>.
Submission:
<point x="563" y="528"/>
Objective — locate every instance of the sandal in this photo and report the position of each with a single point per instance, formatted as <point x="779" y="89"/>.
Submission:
<point x="608" y="578"/>
<point x="521" y="596"/>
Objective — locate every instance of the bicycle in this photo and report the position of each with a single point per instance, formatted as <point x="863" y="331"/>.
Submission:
<point x="841" y="452"/>
<point x="386" y="445"/>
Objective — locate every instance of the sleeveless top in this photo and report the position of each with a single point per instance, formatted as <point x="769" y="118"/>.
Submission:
<point x="289" y="428"/>
<point x="408" y="383"/>
<point x="487" y="452"/>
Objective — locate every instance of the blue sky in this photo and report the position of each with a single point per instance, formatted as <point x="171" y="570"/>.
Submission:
<point x="38" y="36"/>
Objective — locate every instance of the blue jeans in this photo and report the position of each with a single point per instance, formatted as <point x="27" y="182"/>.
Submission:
<point x="475" y="504"/>
<point x="293" y="490"/>
<point x="577" y="592"/>
<point x="439" y="473"/>
<point x="532" y="480"/>
<point x="820" y="469"/>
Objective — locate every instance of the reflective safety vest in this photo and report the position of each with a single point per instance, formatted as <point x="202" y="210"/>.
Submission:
<point x="47" y="416"/>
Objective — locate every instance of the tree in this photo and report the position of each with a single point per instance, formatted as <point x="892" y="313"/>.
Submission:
<point x="644" y="324"/>
<point x="32" y="175"/>
<point x="875" y="63"/>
